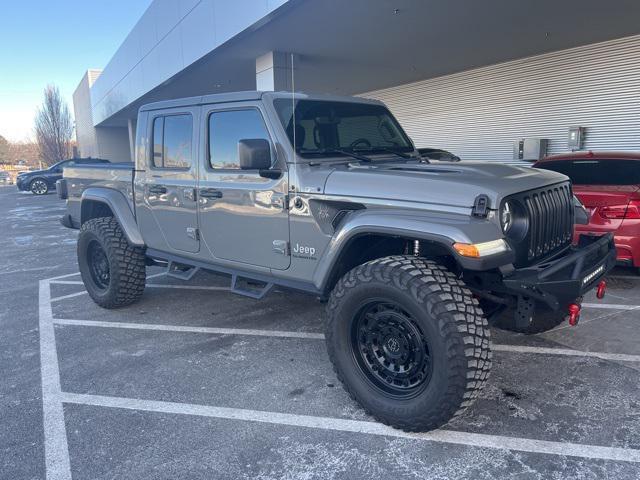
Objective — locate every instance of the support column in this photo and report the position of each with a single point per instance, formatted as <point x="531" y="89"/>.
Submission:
<point x="273" y="72"/>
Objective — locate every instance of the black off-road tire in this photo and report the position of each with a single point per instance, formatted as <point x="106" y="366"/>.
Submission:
<point x="39" y="186"/>
<point x="453" y="326"/>
<point x="542" y="321"/>
<point x="126" y="263"/>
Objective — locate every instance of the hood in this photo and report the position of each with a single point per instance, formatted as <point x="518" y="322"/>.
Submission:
<point x="32" y="172"/>
<point x="456" y="184"/>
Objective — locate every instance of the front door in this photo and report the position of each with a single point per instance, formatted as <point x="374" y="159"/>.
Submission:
<point x="243" y="215"/>
<point x="168" y="215"/>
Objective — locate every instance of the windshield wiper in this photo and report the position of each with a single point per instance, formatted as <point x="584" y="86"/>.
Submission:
<point x="385" y="149"/>
<point x="333" y="151"/>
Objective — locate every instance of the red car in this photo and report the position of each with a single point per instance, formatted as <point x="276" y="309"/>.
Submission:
<point x="608" y="185"/>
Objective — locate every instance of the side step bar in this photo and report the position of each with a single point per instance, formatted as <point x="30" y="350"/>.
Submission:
<point x="240" y="285"/>
<point x="181" y="271"/>
<point x="257" y="293"/>
<point x="185" y="268"/>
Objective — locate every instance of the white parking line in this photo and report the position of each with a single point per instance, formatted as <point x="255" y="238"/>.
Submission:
<point x="71" y="295"/>
<point x="620" y="357"/>
<point x="55" y="279"/>
<point x="499" y="442"/>
<point x="605" y="306"/>
<point x="56" y="449"/>
<point x="188" y="287"/>
<point x="616" y="357"/>
<point x="611" y="306"/>
<point x="187" y="329"/>
<point x="150" y="285"/>
<point x="156" y="275"/>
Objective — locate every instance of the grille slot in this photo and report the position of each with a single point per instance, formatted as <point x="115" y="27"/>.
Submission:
<point x="550" y="215"/>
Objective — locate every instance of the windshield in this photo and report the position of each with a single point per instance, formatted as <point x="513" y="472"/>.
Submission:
<point x="328" y="128"/>
<point x="597" y="172"/>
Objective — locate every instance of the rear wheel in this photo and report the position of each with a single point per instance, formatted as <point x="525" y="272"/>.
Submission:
<point x="113" y="271"/>
<point x="408" y="341"/>
<point x="39" y="187"/>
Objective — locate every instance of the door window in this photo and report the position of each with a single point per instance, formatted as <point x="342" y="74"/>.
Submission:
<point x="226" y="129"/>
<point x="172" y="138"/>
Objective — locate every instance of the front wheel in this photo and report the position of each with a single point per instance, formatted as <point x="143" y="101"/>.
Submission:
<point x="39" y="187"/>
<point x="113" y="271"/>
<point x="408" y="341"/>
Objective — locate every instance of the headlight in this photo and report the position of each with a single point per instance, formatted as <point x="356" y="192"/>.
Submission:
<point x="477" y="250"/>
<point x="506" y="217"/>
<point x="514" y="220"/>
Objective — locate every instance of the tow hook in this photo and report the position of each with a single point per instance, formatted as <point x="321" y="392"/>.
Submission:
<point x="602" y="289"/>
<point x="574" y="314"/>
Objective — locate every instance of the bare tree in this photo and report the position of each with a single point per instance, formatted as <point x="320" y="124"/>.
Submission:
<point x="4" y="150"/>
<point x="53" y="127"/>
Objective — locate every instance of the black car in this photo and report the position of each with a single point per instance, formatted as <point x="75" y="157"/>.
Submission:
<point x="40" y="182"/>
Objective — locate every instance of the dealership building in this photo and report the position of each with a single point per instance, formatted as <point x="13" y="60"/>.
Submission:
<point x="479" y="78"/>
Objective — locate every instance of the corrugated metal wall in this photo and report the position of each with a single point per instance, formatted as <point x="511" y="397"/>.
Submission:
<point x="478" y="114"/>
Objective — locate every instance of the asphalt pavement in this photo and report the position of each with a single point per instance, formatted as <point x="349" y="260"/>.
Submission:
<point x="194" y="382"/>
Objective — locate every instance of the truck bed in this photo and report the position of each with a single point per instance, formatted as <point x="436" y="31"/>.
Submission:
<point x="117" y="176"/>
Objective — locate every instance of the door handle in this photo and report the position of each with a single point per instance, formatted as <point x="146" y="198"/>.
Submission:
<point x="157" y="189"/>
<point x="210" y="193"/>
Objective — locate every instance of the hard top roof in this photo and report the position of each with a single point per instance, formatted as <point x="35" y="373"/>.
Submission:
<point x="248" y="96"/>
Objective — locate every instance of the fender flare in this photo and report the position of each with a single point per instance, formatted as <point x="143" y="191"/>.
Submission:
<point x="440" y="228"/>
<point x="120" y="207"/>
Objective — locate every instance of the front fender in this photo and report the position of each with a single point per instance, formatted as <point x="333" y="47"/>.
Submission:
<point x="120" y="207"/>
<point x="444" y="229"/>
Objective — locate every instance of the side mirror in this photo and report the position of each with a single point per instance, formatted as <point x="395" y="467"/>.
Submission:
<point x="254" y="154"/>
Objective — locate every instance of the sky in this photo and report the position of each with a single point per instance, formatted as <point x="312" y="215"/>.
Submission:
<point x="54" y="42"/>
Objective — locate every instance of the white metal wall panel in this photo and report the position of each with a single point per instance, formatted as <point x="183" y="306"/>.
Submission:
<point x="85" y="131"/>
<point x="478" y="114"/>
<point x="171" y="35"/>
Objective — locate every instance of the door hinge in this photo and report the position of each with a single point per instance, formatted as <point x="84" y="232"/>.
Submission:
<point x="281" y="247"/>
<point x="193" y="233"/>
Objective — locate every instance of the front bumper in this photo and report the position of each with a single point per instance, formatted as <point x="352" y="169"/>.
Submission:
<point x="22" y="185"/>
<point x="559" y="282"/>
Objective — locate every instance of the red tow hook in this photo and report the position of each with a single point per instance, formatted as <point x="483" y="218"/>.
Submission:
<point x="574" y="314"/>
<point x="602" y="289"/>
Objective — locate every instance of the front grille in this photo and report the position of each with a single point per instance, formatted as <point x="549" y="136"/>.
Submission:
<point x="550" y="216"/>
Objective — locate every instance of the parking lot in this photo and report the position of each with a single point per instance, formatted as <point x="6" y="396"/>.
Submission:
<point x="195" y="382"/>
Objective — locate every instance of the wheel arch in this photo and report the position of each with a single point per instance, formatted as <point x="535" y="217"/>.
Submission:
<point x="366" y="235"/>
<point x="106" y="202"/>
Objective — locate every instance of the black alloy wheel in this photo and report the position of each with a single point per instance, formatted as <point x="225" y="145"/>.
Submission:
<point x="98" y="265"/>
<point x="39" y="187"/>
<point x="113" y="270"/>
<point x="408" y="341"/>
<point x="391" y="349"/>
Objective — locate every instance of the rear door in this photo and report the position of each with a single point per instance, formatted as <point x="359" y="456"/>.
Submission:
<point x="168" y="213"/>
<point x="243" y="215"/>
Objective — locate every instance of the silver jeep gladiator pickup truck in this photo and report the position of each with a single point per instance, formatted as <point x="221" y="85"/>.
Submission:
<point x="328" y="195"/>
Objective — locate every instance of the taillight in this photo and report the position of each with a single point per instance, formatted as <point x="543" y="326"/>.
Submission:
<point x="630" y="211"/>
<point x="633" y="209"/>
